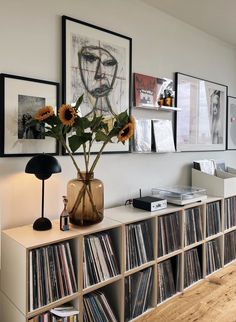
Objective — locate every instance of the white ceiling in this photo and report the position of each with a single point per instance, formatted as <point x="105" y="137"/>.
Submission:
<point x="216" y="17"/>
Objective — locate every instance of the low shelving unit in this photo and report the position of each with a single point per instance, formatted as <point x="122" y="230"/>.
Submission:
<point x="133" y="260"/>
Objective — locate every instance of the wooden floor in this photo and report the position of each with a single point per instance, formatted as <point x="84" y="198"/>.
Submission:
<point x="213" y="299"/>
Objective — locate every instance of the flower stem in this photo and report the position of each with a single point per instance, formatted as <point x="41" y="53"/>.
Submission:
<point x="89" y="150"/>
<point x="98" y="156"/>
<point x="62" y="140"/>
<point x="85" y="157"/>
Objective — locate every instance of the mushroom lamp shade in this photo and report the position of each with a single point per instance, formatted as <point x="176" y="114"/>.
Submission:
<point x="42" y="166"/>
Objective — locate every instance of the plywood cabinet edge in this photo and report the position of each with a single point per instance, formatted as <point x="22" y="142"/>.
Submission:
<point x="14" y="271"/>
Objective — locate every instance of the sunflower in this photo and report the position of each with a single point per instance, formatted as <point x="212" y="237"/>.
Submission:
<point x="67" y="115"/>
<point x="44" y="113"/>
<point x="127" y="132"/>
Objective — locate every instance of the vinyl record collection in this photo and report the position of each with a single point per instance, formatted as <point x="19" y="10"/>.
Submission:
<point x="192" y="267"/>
<point x="138" y="244"/>
<point x="137" y="293"/>
<point x="51" y="274"/>
<point x="100" y="261"/>
<point x="168" y="234"/>
<point x="230" y="212"/>
<point x="97" y="308"/>
<point x="213" y="218"/>
<point x="213" y="261"/>
<point x="193" y="225"/>
<point x="230" y="247"/>
<point x="168" y="278"/>
<point x="50" y="317"/>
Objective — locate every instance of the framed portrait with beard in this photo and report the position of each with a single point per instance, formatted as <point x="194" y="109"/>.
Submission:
<point x="96" y="63"/>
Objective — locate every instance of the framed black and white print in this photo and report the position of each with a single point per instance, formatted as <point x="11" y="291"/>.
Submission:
<point x="231" y="123"/>
<point x="21" y="98"/>
<point x="97" y="63"/>
<point x="201" y="123"/>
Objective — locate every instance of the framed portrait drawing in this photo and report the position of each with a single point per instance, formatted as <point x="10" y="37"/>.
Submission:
<point x="21" y="98"/>
<point x="231" y="123"/>
<point x="97" y="63"/>
<point x="201" y="123"/>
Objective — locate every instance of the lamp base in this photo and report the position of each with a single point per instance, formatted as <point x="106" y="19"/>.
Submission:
<point x="42" y="223"/>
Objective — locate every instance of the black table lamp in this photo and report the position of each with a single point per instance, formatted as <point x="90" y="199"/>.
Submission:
<point x="42" y="166"/>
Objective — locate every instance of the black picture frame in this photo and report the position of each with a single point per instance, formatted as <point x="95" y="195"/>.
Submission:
<point x="85" y="45"/>
<point x="21" y="97"/>
<point x="231" y="123"/>
<point x="201" y="123"/>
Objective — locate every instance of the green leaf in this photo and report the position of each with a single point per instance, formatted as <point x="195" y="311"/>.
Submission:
<point x="114" y="132"/>
<point x="78" y="103"/>
<point x="85" y="122"/>
<point x="96" y="123"/>
<point x="87" y="137"/>
<point x="82" y="123"/>
<point x="79" y="131"/>
<point x="101" y="136"/>
<point x="105" y="127"/>
<point x="53" y="120"/>
<point x="74" y="143"/>
<point x="122" y="119"/>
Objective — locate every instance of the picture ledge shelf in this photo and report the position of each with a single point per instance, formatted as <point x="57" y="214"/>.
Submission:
<point x="152" y="152"/>
<point x="159" y="108"/>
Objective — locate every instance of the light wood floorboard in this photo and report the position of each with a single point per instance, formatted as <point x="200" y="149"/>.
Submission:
<point x="213" y="299"/>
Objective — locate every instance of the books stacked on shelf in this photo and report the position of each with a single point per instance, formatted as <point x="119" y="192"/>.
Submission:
<point x="100" y="261"/>
<point x="168" y="234"/>
<point x="192" y="267"/>
<point x="230" y="212"/>
<point x="97" y="308"/>
<point x="138" y="244"/>
<point x="193" y="225"/>
<point x="59" y="314"/>
<point x="137" y="293"/>
<point x="51" y="274"/>
<point x="168" y="278"/>
<point x="213" y="218"/>
<point x="213" y="261"/>
<point x="230" y="247"/>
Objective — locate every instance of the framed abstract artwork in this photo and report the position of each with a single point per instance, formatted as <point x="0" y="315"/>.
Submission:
<point x="201" y="123"/>
<point x="20" y="99"/>
<point x="231" y="123"/>
<point x="97" y="63"/>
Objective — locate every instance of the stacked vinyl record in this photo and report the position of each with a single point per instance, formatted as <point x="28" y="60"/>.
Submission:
<point x="138" y="244"/>
<point x="137" y="293"/>
<point x="51" y="274"/>
<point x="213" y="218"/>
<point x="168" y="234"/>
<point x="193" y="225"/>
<point x="100" y="261"/>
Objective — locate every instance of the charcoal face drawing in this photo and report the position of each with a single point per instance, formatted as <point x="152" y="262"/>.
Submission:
<point x="98" y="70"/>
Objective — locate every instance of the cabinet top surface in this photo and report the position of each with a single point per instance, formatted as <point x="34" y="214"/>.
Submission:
<point x="113" y="217"/>
<point x="29" y="238"/>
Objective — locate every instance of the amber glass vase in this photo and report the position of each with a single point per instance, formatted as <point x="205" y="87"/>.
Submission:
<point x="85" y="200"/>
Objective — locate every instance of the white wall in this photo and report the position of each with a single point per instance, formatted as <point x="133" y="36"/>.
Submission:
<point x="30" y="40"/>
